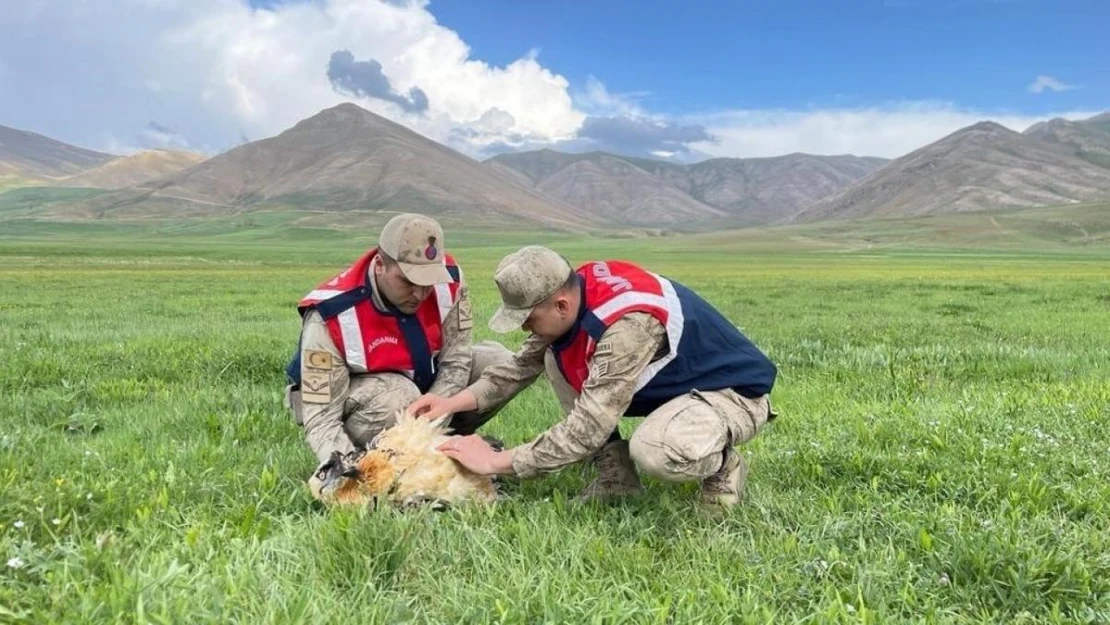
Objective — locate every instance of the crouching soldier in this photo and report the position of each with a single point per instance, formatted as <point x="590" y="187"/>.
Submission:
<point x="616" y="340"/>
<point x="392" y="326"/>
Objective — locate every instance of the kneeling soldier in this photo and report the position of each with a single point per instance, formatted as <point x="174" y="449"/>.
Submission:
<point x="392" y="326"/>
<point x="617" y="340"/>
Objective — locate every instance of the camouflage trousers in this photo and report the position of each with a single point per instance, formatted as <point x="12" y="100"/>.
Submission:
<point x="685" y="438"/>
<point x="375" y="398"/>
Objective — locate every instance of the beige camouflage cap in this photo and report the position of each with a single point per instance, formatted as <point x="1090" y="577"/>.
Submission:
<point x="416" y="243"/>
<point x="525" y="278"/>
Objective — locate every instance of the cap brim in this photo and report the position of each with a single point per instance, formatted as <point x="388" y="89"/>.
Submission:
<point x="426" y="275"/>
<point x="508" y="319"/>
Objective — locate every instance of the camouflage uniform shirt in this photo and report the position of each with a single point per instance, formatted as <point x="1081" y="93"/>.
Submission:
<point x="623" y="352"/>
<point x="323" y="413"/>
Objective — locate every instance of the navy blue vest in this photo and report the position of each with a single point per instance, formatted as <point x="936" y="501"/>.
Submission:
<point x="712" y="355"/>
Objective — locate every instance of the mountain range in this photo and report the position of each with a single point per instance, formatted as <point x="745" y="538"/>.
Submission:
<point x="983" y="166"/>
<point x="345" y="164"/>
<point x="33" y="156"/>
<point x="36" y="160"/>
<point x="740" y="192"/>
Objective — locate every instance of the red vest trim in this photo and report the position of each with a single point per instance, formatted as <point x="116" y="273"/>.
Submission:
<point x="614" y="289"/>
<point x="372" y="341"/>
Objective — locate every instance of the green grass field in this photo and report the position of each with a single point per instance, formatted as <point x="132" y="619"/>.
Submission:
<point x="942" y="456"/>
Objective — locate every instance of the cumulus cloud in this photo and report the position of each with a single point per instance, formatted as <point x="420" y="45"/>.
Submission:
<point x="366" y="79"/>
<point x="156" y="135"/>
<point x="619" y="123"/>
<point x="216" y="69"/>
<point x="889" y="130"/>
<point x="214" y="72"/>
<point x="596" y="99"/>
<point x="151" y="136"/>
<point x="1044" y="83"/>
<point x="493" y="133"/>
<point x="642" y="136"/>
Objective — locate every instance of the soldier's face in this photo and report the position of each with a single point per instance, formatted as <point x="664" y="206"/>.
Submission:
<point x="398" y="290"/>
<point x="552" y="318"/>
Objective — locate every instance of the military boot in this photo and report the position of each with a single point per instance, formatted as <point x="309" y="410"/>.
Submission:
<point x="726" y="486"/>
<point x="616" y="474"/>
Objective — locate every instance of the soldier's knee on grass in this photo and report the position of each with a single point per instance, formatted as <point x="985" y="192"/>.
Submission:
<point x="486" y="354"/>
<point x="682" y="440"/>
<point x="373" y="403"/>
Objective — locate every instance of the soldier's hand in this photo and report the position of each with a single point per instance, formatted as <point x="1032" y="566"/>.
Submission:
<point x="475" y="454"/>
<point x="429" y="406"/>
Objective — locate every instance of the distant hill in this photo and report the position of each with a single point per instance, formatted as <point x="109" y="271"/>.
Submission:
<point x="1089" y="138"/>
<point x="983" y="166"/>
<point x="763" y="190"/>
<point x="712" y="193"/>
<point x="1100" y="121"/>
<point x="126" y="171"/>
<point x="29" y="155"/>
<point x="347" y="167"/>
<point x="1080" y="229"/>
<point x="342" y="159"/>
<point x="610" y="187"/>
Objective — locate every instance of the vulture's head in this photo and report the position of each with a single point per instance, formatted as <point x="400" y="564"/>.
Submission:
<point x="355" y="478"/>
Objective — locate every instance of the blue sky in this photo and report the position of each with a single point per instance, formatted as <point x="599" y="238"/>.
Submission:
<point x="792" y="53"/>
<point x="663" y="79"/>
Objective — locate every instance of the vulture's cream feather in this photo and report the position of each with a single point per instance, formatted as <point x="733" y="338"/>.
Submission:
<point x="402" y="466"/>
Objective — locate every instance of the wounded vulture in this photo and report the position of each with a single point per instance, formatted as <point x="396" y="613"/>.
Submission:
<point x="401" y="466"/>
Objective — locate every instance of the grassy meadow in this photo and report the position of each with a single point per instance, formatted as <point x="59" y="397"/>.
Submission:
<point x="942" y="455"/>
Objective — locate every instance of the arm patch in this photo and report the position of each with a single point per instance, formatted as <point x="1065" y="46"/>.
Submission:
<point x="466" y="317"/>
<point x="316" y="387"/>
<point x="317" y="359"/>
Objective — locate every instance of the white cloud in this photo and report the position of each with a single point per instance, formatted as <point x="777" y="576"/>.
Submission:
<point x="156" y="135"/>
<point x="97" y="72"/>
<point x="1044" y="83"/>
<point x="217" y="69"/>
<point x="889" y="131"/>
<point x="597" y="100"/>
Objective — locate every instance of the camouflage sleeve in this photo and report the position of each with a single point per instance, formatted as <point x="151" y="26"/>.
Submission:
<point x="500" y="383"/>
<point x="324" y="385"/>
<point x="622" y="354"/>
<point x="455" y="357"/>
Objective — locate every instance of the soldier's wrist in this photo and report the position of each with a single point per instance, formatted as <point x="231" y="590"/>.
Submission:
<point x="518" y="463"/>
<point x="481" y="391"/>
<point x="504" y="464"/>
<point x="465" y="401"/>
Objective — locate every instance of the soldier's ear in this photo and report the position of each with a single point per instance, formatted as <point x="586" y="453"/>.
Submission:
<point x="562" y="306"/>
